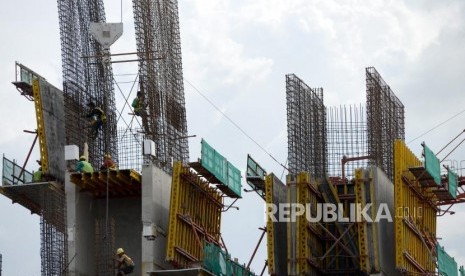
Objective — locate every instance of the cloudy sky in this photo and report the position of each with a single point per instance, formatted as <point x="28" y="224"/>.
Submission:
<point x="236" y="53"/>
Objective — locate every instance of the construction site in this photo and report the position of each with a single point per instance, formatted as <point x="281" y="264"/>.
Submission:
<point x="355" y="200"/>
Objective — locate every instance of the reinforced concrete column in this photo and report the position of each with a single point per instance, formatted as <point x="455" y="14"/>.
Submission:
<point x="156" y="192"/>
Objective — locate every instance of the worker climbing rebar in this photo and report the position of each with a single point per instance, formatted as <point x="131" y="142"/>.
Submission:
<point x="97" y="118"/>
<point x="138" y="105"/>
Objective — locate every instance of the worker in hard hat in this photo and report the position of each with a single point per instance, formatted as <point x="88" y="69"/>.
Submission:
<point x="138" y="105"/>
<point x="97" y="118"/>
<point x="83" y="166"/>
<point x="124" y="264"/>
<point x="108" y="163"/>
<point x="37" y="176"/>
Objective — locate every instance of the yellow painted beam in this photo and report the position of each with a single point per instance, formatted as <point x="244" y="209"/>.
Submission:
<point x="269" y="224"/>
<point x="40" y="124"/>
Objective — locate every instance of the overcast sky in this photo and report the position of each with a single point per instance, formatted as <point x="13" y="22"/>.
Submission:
<point x="237" y="53"/>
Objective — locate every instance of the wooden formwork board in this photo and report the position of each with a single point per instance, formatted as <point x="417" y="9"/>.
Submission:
<point x="415" y="215"/>
<point x="195" y="216"/>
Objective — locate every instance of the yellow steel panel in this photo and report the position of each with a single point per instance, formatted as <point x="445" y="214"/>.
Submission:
<point x="40" y="124"/>
<point x="412" y="229"/>
<point x="269" y="224"/>
<point x="172" y="233"/>
<point x="291" y="247"/>
<point x="375" y="225"/>
<point x="303" y="251"/>
<point x="195" y="215"/>
<point x="361" y="226"/>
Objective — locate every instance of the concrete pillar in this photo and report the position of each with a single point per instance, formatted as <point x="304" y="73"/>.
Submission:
<point x="156" y="192"/>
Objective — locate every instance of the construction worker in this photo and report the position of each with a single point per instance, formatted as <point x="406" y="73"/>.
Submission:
<point x="97" y="118"/>
<point x="37" y="176"/>
<point x="108" y="163"/>
<point x="124" y="264"/>
<point x="83" y="166"/>
<point x="138" y="105"/>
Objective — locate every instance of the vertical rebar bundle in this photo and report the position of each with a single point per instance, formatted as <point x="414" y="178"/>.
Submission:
<point x="86" y="78"/>
<point x="347" y="136"/>
<point x="0" y="264"/>
<point x="385" y="121"/>
<point x="130" y="142"/>
<point x="105" y="247"/>
<point x="53" y="232"/>
<point x="161" y="80"/>
<point x="306" y="128"/>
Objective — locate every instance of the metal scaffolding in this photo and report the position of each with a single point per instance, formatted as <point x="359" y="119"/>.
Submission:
<point x="385" y="121"/>
<point x="53" y="232"/>
<point x="86" y="78"/>
<point x="347" y="136"/>
<point x="306" y="128"/>
<point x="160" y="78"/>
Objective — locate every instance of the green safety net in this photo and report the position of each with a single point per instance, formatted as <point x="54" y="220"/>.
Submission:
<point x="11" y="173"/>
<point x="253" y="169"/>
<point x="432" y="165"/>
<point x="219" y="262"/>
<point x="226" y="173"/>
<point x="234" y="179"/>
<point x="453" y="183"/>
<point x="462" y="271"/>
<point x="446" y="264"/>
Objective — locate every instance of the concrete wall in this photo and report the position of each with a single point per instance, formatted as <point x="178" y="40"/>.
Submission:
<point x="82" y="212"/>
<point x="156" y="193"/>
<point x="384" y="193"/>
<point x="80" y="222"/>
<point x="280" y="228"/>
<point x="53" y="117"/>
<point x="129" y="214"/>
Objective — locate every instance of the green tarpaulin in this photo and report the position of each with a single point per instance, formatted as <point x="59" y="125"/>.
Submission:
<point x="446" y="264"/>
<point x="432" y="165"/>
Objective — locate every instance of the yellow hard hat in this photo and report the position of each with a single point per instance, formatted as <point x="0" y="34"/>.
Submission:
<point x="82" y="157"/>
<point x="107" y="156"/>
<point x="119" y="251"/>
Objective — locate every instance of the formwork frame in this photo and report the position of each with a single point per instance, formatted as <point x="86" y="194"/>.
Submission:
<point x="86" y="78"/>
<point x="306" y="128"/>
<point x="305" y="239"/>
<point x="194" y="217"/>
<point x="161" y="79"/>
<point x="415" y="218"/>
<point x="385" y="121"/>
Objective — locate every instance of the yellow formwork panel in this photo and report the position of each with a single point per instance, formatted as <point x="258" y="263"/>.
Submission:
<point x="376" y="260"/>
<point x="415" y="218"/>
<point x="40" y="124"/>
<point x="303" y="197"/>
<point x="308" y="235"/>
<point x="363" y="182"/>
<point x="269" y="223"/>
<point x="195" y="215"/>
<point x="362" y="226"/>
